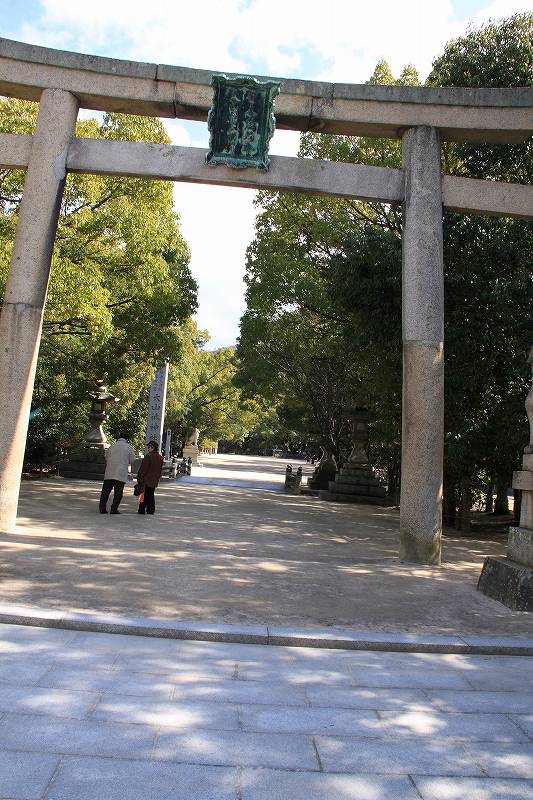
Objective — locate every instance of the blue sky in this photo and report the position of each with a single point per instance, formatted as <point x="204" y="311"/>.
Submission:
<point x="333" y="40"/>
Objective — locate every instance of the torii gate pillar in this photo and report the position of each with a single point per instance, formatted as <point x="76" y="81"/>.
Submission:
<point x="27" y="285"/>
<point x="423" y="354"/>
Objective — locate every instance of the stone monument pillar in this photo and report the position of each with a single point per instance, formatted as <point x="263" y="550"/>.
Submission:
<point x="423" y="352"/>
<point x="510" y="580"/>
<point x="168" y="444"/>
<point x="156" y="406"/>
<point x="190" y="448"/>
<point x="27" y="285"/>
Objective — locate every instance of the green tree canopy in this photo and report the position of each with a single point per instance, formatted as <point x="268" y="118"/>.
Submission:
<point x="328" y="272"/>
<point x="120" y="287"/>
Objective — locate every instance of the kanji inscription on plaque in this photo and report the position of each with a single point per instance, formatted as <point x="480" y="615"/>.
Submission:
<point x="241" y="121"/>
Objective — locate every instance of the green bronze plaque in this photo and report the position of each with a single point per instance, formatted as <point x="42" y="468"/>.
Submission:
<point x="241" y="121"/>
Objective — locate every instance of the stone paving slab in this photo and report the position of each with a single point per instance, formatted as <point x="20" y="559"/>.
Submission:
<point x="25" y="776"/>
<point x="340" y="721"/>
<point x="405" y="679"/>
<point x="466" y="727"/>
<point x="39" y="734"/>
<point x="55" y="702"/>
<point x="504" y="760"/>
<point x="265" y="784"/>
<point x="19" y="672"/>
<point x="420" y="757"/>
<point x="107" y="681"/>
<point x="240" y="692"/>
<point x="238" y="749"/>
<point x="525" y="721"/>
<point x="102" y="779"/>
<point x="501" y="702"/>
<point x="183" y="716"/>
<point x="473" y="789"/>
<point x="379" y="699"/>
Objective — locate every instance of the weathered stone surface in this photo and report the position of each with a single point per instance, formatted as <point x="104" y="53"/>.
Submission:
<point x="356" y="488"/>
<point x="87" y="463"/>
<point x="520" y="546"/>
<point x="339" y="497"/>
<point x="508" y="582"/>
<point x="499" y="115"/>
<point x="342" y="180"/>
<point x="423" y="356"/>
<point x="422" y="453"/>
<point x="523" y="479"/>
<point x="21" y="319"/>
<point x="354" y="484"/>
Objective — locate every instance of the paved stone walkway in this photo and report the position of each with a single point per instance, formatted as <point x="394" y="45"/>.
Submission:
<point x="93" y="716"/>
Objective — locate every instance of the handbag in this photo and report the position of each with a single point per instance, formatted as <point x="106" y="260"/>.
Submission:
<point x="138" y="489"/>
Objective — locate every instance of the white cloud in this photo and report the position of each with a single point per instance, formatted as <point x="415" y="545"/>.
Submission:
<point x="499" y="9"/>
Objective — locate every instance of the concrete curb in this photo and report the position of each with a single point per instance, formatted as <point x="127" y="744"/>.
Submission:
<point x="264" y="635"/>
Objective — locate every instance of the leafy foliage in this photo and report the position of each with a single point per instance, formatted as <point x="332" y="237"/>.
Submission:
<point x="120" y="286"/>
<point x="324" y="282"/>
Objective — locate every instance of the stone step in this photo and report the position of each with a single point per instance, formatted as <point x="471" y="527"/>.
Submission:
<point x="360" y="489"/>
<point x="356" y="471"/>
<point x="366" y="480"/>
<point x="369" y="500"/>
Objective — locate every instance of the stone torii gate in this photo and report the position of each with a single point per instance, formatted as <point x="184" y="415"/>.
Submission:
<point x="422" y="117"/>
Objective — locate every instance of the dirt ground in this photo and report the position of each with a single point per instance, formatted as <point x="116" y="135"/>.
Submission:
<point x="220" y="550"/>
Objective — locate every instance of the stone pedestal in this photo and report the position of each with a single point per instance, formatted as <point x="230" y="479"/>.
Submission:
<point x="191" y="451"/>
<point x="86" y="462"/>
<point x="355" y="484"/>
<point x="510" y="580"/>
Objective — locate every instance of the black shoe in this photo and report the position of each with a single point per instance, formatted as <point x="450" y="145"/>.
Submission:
<point x="103" y="511"/>
<point x="114" y="512"/>
<point x="141" y="513"/>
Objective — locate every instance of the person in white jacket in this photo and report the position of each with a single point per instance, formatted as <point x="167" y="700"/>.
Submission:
<point x="118" y="458"/>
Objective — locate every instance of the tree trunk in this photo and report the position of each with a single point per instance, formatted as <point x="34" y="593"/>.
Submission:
<point x="489" y="500"/>
<point x="502" y="501"/>
<point x="517" y="505"/>
<point x="393" y="482"/>
<point x="463" y="519"/>
<point x="449" y="504"/>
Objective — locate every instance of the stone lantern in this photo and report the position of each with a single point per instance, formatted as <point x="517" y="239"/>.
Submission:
<point x="510" y="579"/>
<point x="355" y="482"/>
<point x="358" y="419"/>
<point x="88" y="461"/>
<point x="95" y="436"/>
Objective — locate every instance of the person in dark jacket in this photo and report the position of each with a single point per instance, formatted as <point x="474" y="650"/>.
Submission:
<point x="149" y="474"/>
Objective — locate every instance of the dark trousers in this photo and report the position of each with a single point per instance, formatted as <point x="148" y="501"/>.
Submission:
<point x="118" y="490"/>
<point x="148" y="506"/>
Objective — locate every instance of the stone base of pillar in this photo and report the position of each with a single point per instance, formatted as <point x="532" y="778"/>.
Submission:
<point x="508" y="582"/>
<point x="355" y="484"/>
<point x="520" y="546"/>
<point x="87" y="463"/>
<point x="191" y="451"/>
